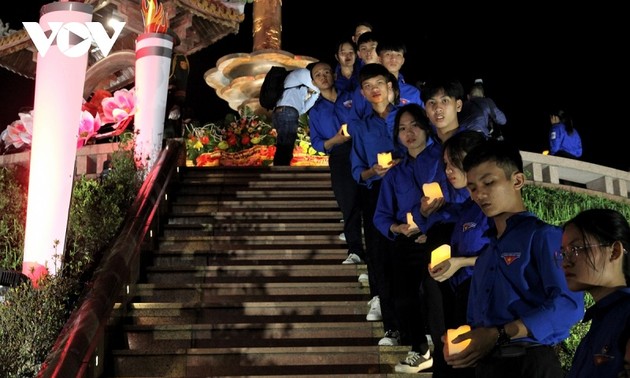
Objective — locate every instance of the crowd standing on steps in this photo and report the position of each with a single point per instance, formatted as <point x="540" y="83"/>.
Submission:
<point x="503" y="278"/>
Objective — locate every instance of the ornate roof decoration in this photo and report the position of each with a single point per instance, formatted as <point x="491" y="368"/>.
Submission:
<point x="197" y="24"/>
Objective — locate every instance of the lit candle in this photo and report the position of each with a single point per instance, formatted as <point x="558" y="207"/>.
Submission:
<point x="432" y="190"/>
<point x="440" y="254"/>
<point x="384" y="158"/>
<point x="410" y="221"/>
<point x="453" y="333"/>
<point x="344" y="129"/>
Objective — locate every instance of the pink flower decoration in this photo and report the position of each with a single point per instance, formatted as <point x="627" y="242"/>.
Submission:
<point x="20" y="132"/>
<point x="120" y="107"/>
<point x="88" y="127"/>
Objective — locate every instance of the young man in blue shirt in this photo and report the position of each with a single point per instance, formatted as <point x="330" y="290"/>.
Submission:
<point x="371" y="136"/>
<point x="519" y="305"/>
<point x="327" y="136"/>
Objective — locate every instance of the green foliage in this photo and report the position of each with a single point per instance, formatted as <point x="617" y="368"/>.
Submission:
<point x="32" y="318"/>
<point x="557" y="206"/>
<point x="12" y="219"/>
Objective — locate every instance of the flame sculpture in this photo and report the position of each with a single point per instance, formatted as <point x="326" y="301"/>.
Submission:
<point x="154" y="18"/>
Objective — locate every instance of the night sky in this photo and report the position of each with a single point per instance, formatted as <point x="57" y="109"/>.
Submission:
<point x="531" y="59"/>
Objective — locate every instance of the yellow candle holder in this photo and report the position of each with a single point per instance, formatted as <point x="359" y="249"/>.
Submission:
<point x="410" y="221"/>
<point x="384" y="158"/>
<point x="344" y="129"/>
<point x="432" y="190"/>
<point x="441" y="253"/>
<point x="452" y="348"/>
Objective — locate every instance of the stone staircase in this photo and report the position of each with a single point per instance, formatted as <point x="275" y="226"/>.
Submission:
<point x="247" y="280"/>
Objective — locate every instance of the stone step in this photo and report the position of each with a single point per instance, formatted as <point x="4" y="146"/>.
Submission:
<point x="196" y="312"/>
<point x="287" y="361"/>
<point x="244" y="292"/>
<point x="269" y="228"/>
<point x="178" y="336"/>
<point x="269" y="256"/>
<point x="255" y="205"/>
<point x="251" y="273"/>
<point x="215" y="193"/>
<point x="180" y="244"/>
<point x="285" y="215"/>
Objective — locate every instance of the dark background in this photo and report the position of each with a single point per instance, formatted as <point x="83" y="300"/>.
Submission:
<point x="530" y="57"/>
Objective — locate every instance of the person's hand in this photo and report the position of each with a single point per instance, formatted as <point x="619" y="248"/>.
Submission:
<point x="341" y="137"/>
<point x="421" y="239"/>
<point x="445" y="270"/>
<point x="404" y="229"/>
<point x="428" y="206"/>
<point x="482" y="341"/>
<point x="380" y="170"/>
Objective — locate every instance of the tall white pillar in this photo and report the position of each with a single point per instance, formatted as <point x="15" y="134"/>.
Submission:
<point x="153" y="64"/>
<point x="59" y="82"/>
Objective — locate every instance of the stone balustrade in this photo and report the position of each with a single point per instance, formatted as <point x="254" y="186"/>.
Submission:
<point x="553" y="169"/>
<point x="89" y="162"/>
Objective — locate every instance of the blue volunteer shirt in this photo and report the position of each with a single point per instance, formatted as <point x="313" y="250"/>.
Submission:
<point x="601" y="351"/>
<point x="561" y="140"/>
<point x="517" y="277"/>
<point x="370" y="137"/>
<point x="323" y="123"/>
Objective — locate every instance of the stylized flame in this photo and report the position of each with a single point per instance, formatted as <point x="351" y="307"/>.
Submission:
<point x="154" y="17"/>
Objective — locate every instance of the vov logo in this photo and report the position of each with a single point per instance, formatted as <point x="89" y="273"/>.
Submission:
<point x="69" y="33"/>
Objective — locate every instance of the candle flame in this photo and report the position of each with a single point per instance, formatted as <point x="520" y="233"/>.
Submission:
<point x="154" y="17"/>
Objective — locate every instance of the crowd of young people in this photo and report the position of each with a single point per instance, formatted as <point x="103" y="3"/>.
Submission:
<point x="503" y="278"/>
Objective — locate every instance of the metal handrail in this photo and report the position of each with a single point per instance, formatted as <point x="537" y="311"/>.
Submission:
<point x="84" y="331"/>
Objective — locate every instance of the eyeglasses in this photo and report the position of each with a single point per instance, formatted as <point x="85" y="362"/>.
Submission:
<point x="573" y="251"/>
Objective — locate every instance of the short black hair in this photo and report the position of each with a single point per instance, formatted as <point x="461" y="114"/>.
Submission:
<point x="451" y="87"/>
<point x="460" y="144"/>
<point x="506" y="155"/>
<point x="371" y="70"/>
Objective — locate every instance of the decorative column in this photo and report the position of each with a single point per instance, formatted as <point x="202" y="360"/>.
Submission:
<point x="154" y="49"/>
<point x="59" y="82"/>
<point x="153" y="63"/>
<point x="267" y="24"/>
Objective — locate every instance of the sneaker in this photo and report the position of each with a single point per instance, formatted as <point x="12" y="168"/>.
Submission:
<point x="353" y="258"/>
<point x="342" y="236"/>
<point x="363" y="278"/>
<point x="375" y="310"/>
<point x="414" y="363"/>
<point x="391" y="338"/>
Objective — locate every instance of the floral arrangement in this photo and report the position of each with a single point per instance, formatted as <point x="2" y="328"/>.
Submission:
<point x="304" y="154"/>
<point x="103" y="108"/>
<point x="237" y="133"/>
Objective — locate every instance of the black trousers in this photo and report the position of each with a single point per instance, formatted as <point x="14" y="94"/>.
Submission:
<point x="349" y="195"/>
<point x="377" y="247"/>
<point x="537" y="362"/>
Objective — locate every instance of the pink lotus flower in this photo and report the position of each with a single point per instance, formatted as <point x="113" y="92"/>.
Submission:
<point x="20" y="132"/>
<point x="88" y="127"/>
<point x="119" y="108"/>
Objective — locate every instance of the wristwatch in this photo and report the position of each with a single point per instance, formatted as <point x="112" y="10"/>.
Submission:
<point x="503" y="337"/>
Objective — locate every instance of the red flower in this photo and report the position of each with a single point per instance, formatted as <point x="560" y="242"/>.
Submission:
<point x="245" y="140"/>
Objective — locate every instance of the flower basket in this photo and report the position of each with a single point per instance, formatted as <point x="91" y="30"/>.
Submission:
<point x="208" y="159"/>
<point x="303" y="159"/>
<point x="260" y="155"/>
